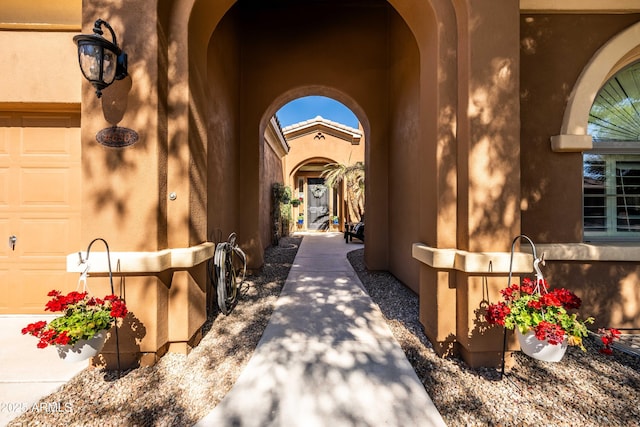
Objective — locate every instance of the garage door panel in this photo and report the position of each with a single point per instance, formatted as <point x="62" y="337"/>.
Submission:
<point x="45" y="187"/>
<point x="33" y="296"/>
<point x="40" y="202"/>
<point x="53" y="137"/>
<point x="5" y="232"/>
<point x="5" y="287"/>
<point x="4" y="187"/>
<point x="5" y="131"/>
<point x="45" y="141"/>
<point x="47" y="237"/>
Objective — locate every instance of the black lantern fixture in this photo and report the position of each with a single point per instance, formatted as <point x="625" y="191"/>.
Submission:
<point x="101" y="61"/>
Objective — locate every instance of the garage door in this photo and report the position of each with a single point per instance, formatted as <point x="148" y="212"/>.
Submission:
<point x="40" y="193"/>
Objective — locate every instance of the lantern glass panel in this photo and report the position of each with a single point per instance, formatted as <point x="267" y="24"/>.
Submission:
<point x="109" y="64"/>
<point x="89" y="56"/>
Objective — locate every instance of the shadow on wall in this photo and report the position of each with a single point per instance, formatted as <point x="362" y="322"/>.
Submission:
<point x="130" y="335"/>
<point x="610" y="291"/>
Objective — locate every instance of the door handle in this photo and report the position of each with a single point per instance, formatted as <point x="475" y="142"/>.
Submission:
<point x="12" y="242"/>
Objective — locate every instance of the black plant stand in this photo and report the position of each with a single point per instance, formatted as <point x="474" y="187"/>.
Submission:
<point x="536" y="270"/>
<point x="86" y="260"/>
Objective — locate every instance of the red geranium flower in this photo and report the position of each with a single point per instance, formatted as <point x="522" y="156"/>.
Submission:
<point x="62" y="339"/>
<point x="118" y="309"/>
<point x="550" y="299"/>
<point x="497" y="312"/>
<point x="550" y="332"/>
<point x="532" y="307"/>
<point x="82" y="318"/>
<point x="568" y="299"/>
<point x="608" y="336"/>
<point x="527" y="286"/>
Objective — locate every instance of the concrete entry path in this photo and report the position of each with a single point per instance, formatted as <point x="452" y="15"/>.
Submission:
<point x="327" y="357"/>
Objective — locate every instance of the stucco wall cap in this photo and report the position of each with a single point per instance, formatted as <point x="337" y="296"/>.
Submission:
<point x="590" y="251"/>
<point x="472" y="262"/>
<point x="142" y="262"/>
<point x="579" y="6"/>
<point x="571" y="143"/>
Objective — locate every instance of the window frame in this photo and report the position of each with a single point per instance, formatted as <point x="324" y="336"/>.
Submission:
<point x="611" y="152"/>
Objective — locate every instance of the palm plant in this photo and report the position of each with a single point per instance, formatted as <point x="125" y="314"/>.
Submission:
<point x="353" y="178"/>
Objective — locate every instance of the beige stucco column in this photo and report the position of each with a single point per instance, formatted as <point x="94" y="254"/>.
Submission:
<point x="489" y="161"/>
<point x="485" y="181"/>
<point x="125" y="191"/>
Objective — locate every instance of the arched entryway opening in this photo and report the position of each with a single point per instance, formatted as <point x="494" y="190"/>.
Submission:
<point x="317" y="203"/>
<point x="317" y="145"/>
<point x="251" y="72"/>
<point x="387" y="61"/>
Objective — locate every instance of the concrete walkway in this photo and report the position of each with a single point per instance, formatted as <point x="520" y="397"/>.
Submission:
<point x="327" y="357"/>
<point x="27" y="373"/>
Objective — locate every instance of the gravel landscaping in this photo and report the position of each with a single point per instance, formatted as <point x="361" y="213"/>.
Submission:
<point x="583" y="390"/>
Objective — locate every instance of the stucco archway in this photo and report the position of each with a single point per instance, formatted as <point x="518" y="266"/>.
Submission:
<point x="427" y="162"/>
<point x="414" y="81"/>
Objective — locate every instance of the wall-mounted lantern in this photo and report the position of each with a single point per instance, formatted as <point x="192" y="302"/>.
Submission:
<point x="101" y="61"/>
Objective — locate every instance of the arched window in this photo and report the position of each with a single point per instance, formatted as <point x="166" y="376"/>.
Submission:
<point x="612" y="168"/>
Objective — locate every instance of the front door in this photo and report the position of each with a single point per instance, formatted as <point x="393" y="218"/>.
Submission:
<point x="317" y="205"/>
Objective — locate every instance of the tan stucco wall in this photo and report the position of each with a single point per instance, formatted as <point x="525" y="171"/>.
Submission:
<point x="404" y="165"/>
<point x="273" y="174"/>
<point x="440" y="99"/>
<point x="551" y="64"/>
<point x="223" y="123"/>
<point x="121" y="191"/>
<point x="552" y="181"/>
<point x="28" y="78"/>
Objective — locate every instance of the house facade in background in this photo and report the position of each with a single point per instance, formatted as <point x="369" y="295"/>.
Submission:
<point x="483" y="120"/>
<point x="315" y="144"/>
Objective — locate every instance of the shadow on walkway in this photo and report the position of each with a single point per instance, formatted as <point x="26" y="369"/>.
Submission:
<point x="327" y="356"/>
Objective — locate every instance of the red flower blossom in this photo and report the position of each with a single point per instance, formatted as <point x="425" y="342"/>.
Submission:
<point x="568" y="299"/>
<point x="535" y="304"/>
<point x="62" y="339"/>
<point x="510" y="293"/>
<point x="550" y="299"/>
<point x="497" y="312"/>
<point x="55" y="304"/>
<point x="118" y="309"/>
<point x="74" y="297"/>
<point x="550" y="332"/>
<point x="608" y="336"/>
<point x="527" y="286"/>
<point x="34" y="328"/>
<point x="83" y="317"/>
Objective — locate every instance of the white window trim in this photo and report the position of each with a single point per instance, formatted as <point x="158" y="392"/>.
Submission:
<point x="613" y="154"/>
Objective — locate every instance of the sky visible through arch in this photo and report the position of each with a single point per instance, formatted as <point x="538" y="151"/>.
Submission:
<point x="309" y="107"/>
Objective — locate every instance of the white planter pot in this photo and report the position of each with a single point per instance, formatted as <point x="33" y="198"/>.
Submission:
<point x="541" y="350"/>
<point x="83" y="349"/>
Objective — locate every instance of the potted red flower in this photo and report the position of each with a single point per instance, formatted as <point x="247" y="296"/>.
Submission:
<point x="541" y="317"/>
<point x="83" y="325"/>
